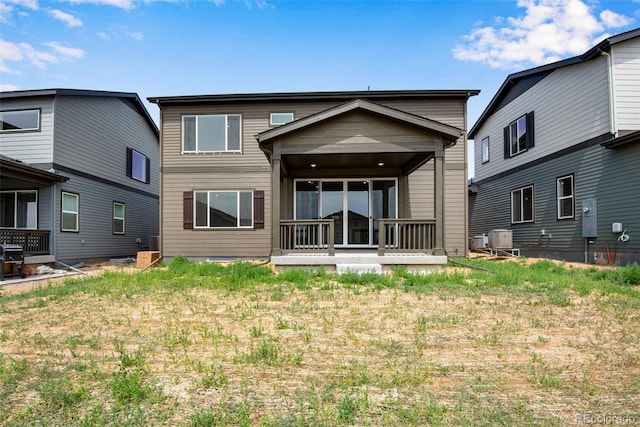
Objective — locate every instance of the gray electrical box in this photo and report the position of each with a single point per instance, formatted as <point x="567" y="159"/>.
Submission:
<point x="589" y="218"/>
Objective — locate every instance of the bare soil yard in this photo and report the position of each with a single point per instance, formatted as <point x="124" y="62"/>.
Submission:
<point x="155" y="349"/>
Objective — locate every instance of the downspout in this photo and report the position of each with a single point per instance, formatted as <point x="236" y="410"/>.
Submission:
<point x="612" y="110"/>
<point x="52" y="223"/>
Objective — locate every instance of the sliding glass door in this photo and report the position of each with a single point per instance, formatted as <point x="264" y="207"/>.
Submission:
<point x="356" y="206"/>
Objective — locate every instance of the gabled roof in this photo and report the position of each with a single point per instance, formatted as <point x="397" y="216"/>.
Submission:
<point x="449" y="133"/>
<point x="133" y="98"/>
<point x="517" y="83"/>
<point x="12" y="168"/>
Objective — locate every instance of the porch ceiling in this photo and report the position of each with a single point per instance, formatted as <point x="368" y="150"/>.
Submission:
<point x="361" y="164"/>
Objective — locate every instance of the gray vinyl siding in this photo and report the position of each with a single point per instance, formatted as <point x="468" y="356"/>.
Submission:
<point x="92" y="135"/>
<point x="626" y="71"/>
<point x="30" y="146"/>
<point x="250" y="169"/>
<point x="96" y="225"/>
<point x="581" y="112"/>
<point x="611" y="176"/>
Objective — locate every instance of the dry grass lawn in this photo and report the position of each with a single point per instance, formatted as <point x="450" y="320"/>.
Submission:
<point x="178" y="347"/>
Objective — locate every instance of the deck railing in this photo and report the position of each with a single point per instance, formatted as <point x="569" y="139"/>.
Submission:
<point x="307" y="236"/>
<point x="406" y="235"/>
<point x="33" y="242"/>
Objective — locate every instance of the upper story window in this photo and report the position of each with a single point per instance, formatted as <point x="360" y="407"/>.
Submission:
<point x="485" y="149"/>
<point x="211" y="133"/>
<point x="522" y="205"/>
<point x="16" y="121"/>
<point x="565" y="194"/>
<point x="518" y="136"/>
<point x="277" y="119"/>
<point x="138" y="166"/>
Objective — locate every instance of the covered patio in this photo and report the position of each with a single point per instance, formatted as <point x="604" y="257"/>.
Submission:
<point x="340" y="193"/>
<point x="25" y="204"/>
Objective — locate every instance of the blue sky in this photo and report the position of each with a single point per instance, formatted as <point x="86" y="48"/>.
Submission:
<point x="183" y="47"/>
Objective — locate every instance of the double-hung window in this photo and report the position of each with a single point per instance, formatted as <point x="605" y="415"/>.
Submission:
<point x="519" y="136"/>
<point x="19" y="209"/>
<point x="212" y="133"/>
<point x="223" y="209"/>
<point x="70" y="212"/>
<point x="118" y="218"/>
<point x="522" y="205"/>
<point x="17" y="121"/>
<point x="566" y="198"/>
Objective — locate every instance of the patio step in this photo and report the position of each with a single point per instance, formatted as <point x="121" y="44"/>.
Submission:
<point x="358" y="268"/>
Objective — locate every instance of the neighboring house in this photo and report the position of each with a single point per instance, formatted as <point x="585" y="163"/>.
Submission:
<point x="78" y="174"/>
<point x="557" y="157"/>
<point x="276" y="174"/>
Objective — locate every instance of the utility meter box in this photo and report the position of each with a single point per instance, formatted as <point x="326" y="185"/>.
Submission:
<point x="589" y="218"/>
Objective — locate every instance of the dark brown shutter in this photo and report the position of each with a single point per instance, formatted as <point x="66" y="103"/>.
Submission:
<point x="187" y="210"/>
<point x="530" y="131"/>
<point x="129" y="166"/>
<point x="507" y="151"/>
<point x="258" y="209"/>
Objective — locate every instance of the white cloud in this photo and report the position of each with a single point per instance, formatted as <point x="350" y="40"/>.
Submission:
<point x="7" y="8"/>
<point x="548" y="31"/>
<point x="614" y="20"/>
<point x="64" y="51"/>
<point x="122" y="4"/>
<point x="67" y="18"/>
<point x="7" y="87"/>
<point x="119" y="31"/>
<point x="24" y="53"/>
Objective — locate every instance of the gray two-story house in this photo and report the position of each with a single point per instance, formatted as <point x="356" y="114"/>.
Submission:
<point x="557" y="157"/>
<point x="78" y="174"/>
<point x="360" y="179"/>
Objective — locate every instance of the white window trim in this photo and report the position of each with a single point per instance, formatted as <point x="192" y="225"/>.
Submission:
<point x="533" y="206"/>
<point x="272" y="123"/>
<point x="560" y="198"/>
<point x="208" y="226"/>
<point x="37" y="110"/>
<point x="77" y="213"/>
<point x="226" y="134"/>
<point x="15" y="207"/>
<point x="482" y="144"/>
<point x="124" y="215"/>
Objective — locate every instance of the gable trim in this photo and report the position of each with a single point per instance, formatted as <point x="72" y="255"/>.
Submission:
<point x="450" y="133"/>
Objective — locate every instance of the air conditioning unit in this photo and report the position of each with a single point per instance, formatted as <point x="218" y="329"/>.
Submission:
<point x="479" y="242"/>
<point x="501" y="239"/>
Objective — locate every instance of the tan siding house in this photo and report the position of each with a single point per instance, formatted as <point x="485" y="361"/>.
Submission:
<point x="305" y="178"/>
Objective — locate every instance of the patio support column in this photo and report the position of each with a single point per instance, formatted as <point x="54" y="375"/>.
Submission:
<point x="438" y="171"/>
<point x="275" y="199"/>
